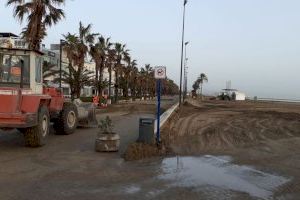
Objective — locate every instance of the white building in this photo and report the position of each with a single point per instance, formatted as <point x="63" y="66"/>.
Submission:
<point x="10" y="40"/>
<point x="239" y="96"/>
<point x="87" y="91"/>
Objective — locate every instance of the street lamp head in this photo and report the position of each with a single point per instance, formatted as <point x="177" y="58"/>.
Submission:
<point x="187" y="43"/>
<point x="185" y="2"/>
<point x="63" y="42"/>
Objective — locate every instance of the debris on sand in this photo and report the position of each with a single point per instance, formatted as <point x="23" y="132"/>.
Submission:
<point x="139" y="151"/>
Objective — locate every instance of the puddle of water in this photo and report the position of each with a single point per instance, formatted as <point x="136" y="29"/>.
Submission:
<point x="154" y="193"/>
<point x="219" y="172"/>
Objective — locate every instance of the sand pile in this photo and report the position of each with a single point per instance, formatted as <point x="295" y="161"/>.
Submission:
<point x="139" y="151"/>
<point x="207" y="128"/>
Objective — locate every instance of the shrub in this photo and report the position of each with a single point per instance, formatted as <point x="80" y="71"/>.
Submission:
<point x="86" y="99"/>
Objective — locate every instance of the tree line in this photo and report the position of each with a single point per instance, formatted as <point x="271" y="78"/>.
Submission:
<point x="198" y="84"/>
<point x="113" y="56"/>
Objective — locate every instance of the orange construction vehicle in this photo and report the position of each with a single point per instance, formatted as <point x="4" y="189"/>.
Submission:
<point x="27" y="105"/>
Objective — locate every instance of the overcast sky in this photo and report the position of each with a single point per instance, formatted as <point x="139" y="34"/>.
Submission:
<point x="253" y="43"/>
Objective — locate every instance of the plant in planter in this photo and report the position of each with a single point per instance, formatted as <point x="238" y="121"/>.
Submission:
<point x="107" y="140"/>
<point x="103" y="102"/>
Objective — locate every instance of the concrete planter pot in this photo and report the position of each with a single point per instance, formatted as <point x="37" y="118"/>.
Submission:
<point x="107" y="142"/>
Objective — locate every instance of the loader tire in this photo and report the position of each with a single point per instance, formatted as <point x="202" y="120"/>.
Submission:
<point x="37" y="136"/>
<point x="67" y="121"/>
<point x="227" y="98"/>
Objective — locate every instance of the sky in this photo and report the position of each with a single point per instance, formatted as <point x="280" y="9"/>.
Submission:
<point x="253" y="43"/>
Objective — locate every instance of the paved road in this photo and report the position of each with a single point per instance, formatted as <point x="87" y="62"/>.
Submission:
<point x="50" y="171"/>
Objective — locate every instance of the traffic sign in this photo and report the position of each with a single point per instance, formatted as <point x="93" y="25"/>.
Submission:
<point x="160" y="72"/>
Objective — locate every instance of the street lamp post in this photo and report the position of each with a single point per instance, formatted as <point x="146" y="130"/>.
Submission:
<point x="185" y="80"/>
<point x="185" y="72"/>
<point x="182" y="45"/>
<point x="61" y="43"/>
<point x="60" y="62"/>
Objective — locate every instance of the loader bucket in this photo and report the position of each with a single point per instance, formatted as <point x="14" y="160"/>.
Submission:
<point x="86" y="114"/>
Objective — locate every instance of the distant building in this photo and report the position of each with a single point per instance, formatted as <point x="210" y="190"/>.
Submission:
<point x="10" y="40"/>
<point x="90" y="65"/>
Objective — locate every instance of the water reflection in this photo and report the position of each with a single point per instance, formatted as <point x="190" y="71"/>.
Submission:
<point x="221" y="173"/>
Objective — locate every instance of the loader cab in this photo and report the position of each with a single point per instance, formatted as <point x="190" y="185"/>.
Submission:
<point x="21" y="68"/>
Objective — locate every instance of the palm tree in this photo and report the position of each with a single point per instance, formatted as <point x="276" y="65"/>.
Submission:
<point x="127" y="72"/>
<point x="201" y="79"/>
<point x="133" y="80"/>
<point x="119" y="50"/>
<point x="86" y="39"/>
<point x="111" y="59"/>
<point x="41" y="14"/>
<point x="76" y="48"/>
<point x="99" y="53"/>
<point x="49" y="70"/>
<point x="70" y="45"/>
<point x="77" y="80"/>
<point x="141" y="79"/>
<point x="196" y="87"/>
<point x="169" y="87"/>
<point x="149" y="79"/>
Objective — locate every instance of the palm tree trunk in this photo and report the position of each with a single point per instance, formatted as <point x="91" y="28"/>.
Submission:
<point x="125" y="87"/>
<point x="100" y="82"/>
<point x="116" y="85"/>
<point x="77" y="88"/>
<point x="35" y="43"/>
<point x="70" y="84"/>
<point x="109" y="81"/>
<point x="141" y="91"/>
<point x="201" y="91"/>
<point x="96" y="76"/>
<point x="147" y="89"/>
<point x="133" y="91"/>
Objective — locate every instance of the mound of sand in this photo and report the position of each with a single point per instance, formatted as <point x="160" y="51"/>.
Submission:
<point x="218" y="127"/>
<point x="139" y="151"/>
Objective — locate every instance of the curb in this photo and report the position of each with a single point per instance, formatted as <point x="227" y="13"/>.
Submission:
<point x="165" y="116"/>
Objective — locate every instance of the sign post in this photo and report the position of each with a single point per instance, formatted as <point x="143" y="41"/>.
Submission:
<point x="159" y="74"/>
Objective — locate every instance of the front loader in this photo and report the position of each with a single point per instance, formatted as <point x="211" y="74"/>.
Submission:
<point x="25" y="104"/>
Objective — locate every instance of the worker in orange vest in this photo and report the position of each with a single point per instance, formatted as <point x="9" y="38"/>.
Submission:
<point x="96" y="100"/>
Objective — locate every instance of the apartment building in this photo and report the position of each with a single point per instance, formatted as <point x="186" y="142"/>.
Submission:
<point x="90" y="65"/>
<point x="10" y="40"/>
